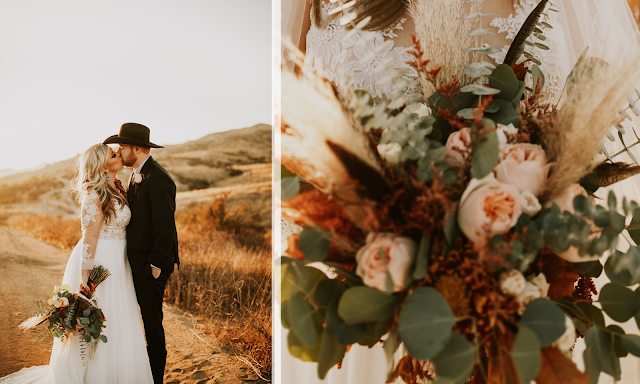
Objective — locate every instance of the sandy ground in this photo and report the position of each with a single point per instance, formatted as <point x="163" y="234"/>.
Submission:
<point x="30" y="268"/>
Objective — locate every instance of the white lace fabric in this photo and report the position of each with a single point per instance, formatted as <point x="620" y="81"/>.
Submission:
<point x="353" y="63"/>
<point x="94" y="227"/>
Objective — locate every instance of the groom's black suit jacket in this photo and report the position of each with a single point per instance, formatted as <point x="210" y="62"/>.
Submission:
<point x="151" y="234"/>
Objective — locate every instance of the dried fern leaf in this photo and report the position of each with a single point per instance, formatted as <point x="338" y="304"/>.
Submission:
<point x="609" y="174"/>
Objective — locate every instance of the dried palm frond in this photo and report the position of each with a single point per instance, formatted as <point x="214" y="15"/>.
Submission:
<point x="444" y="36"/>
<point x="34" y="321"/>
<point x="609" y="174"/>
<point x="315" y="125"/>
<point x="517" y="47"/>
<point x="595" y="92"/>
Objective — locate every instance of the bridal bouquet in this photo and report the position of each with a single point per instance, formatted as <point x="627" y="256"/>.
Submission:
<point x="462" y="226"/>
<point x="70" y="313"/>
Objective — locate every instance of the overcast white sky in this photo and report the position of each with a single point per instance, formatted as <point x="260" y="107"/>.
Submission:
<point x="73" y="71"/>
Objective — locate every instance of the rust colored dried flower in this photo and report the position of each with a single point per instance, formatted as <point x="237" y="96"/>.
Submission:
<point x="410" y="370"/>
<point x="455" y="292"/>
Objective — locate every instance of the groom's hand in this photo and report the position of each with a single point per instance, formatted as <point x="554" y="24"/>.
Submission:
<point x="155" y="272"/>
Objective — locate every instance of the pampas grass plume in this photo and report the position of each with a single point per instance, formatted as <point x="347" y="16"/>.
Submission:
<point x="595" y="93"/>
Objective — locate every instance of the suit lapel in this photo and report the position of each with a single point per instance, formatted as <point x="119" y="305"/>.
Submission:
<point x="134" y="189"/>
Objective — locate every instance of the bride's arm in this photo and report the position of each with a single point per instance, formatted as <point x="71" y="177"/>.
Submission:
<point x="91" y="219"/>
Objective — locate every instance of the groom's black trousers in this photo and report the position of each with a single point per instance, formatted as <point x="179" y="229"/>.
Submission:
<point x="150" y="293"/>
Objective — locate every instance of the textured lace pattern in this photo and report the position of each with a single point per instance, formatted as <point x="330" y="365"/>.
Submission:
<point x="555" y="65"/>
<point x="90" y="210"/>
<point x="116" y="229"/>
<point x="353" y="63"/>
<point x="87" y="258"/>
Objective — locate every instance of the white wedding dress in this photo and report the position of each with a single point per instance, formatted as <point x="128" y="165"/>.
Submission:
<point x="123" y="359"/>
<point x="606" y="27"/>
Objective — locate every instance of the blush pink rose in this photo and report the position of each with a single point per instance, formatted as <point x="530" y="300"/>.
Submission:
<point x="488" y="208"/>
<point x="399" y="252"/>
<point x="458" y="148"/>
<point x="524" y="166"/>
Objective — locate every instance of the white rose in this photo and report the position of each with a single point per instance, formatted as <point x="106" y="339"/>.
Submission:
<point x="530" y="204"/>
<point x="137" y="178"/>
<point x="390" y="152"/>
<point x="530" y="293"/>
<point x="399" y="252"/>
<point x="540" y="281"/>
<point x="568" y="338"/>
<point x="64" y="301"/>
<point x="512" y="282"/>
<point x="55" y="298"/>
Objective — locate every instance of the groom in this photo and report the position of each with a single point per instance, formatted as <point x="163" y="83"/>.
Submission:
<point x="152" y="240"/>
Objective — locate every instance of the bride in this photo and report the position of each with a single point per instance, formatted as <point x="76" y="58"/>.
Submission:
<point x="351" y="61"/>
<point x="104" y="218"/>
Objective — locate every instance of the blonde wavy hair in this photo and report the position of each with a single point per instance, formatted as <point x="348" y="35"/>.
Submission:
<point x="90" y="178"/>
<point x="384" y="13"/>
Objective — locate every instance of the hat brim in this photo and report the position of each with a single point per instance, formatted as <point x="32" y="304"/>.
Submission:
<point x="116" y="139"/>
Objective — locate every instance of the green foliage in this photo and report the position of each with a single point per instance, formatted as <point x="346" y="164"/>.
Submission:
<point x="526" y="354"/>
<point x="364" y="304"/>
<point x="421" y="263"/>
<point x="425" y="323"/>
<point x="454" y="364"/>
<point x="343" y="333"/>
<point x="299" y="318"/>
<point x="600" y="355"/>
<point x="331" y="353"/>
<point x="545" y="319"/>
<point x="619" y="302"/>
<point x="290" y="187"/>
<point x="314" y="243"/>
<point x="486" y="151"/>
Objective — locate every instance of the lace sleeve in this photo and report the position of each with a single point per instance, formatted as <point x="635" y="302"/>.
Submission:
<point x="91" y="220"/>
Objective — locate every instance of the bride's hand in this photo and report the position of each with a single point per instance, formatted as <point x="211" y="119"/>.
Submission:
<point x="85" y="278"/>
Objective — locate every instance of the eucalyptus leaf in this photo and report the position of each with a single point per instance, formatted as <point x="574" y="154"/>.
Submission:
<point x="619" y="302"/>
<point x="454" y="364"/>
<point x="476" y="70"/>
<point x="331" y="353"/>
<point x="486" y="150"/>
<point x="422" y="258"/>
<point x="300" y="317"/>
<point x="314" y="243"/>
<point x="526" y="354"/>
<point x="365" y="304"/>
<point x="290" y="187"/>
<point x="504" y="79"/>
<point x="328" y="290"/>
<point x="631" y="344"/>
<point x="301" y="351"/>
<point x="482" y="32"/>
<point x="425" y="323"/>
<point x="545" y="319"/>
<point x="604" y="352"/>
<point x="390" y="347"/>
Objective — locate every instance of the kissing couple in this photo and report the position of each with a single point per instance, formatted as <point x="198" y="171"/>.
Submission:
<point x="130" y="231"/>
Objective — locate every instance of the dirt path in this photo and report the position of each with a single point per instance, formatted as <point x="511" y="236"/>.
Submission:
<point x="29" y="268"/>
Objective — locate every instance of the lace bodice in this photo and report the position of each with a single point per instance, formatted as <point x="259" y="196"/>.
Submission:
<point x="115" y="229"/>
<point x="352" y="63"/>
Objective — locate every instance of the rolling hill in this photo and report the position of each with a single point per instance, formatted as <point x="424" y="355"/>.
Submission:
<point x="236" y="163"/>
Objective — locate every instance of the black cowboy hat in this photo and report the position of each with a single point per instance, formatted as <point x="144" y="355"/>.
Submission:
<point x="132" y="134"/>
